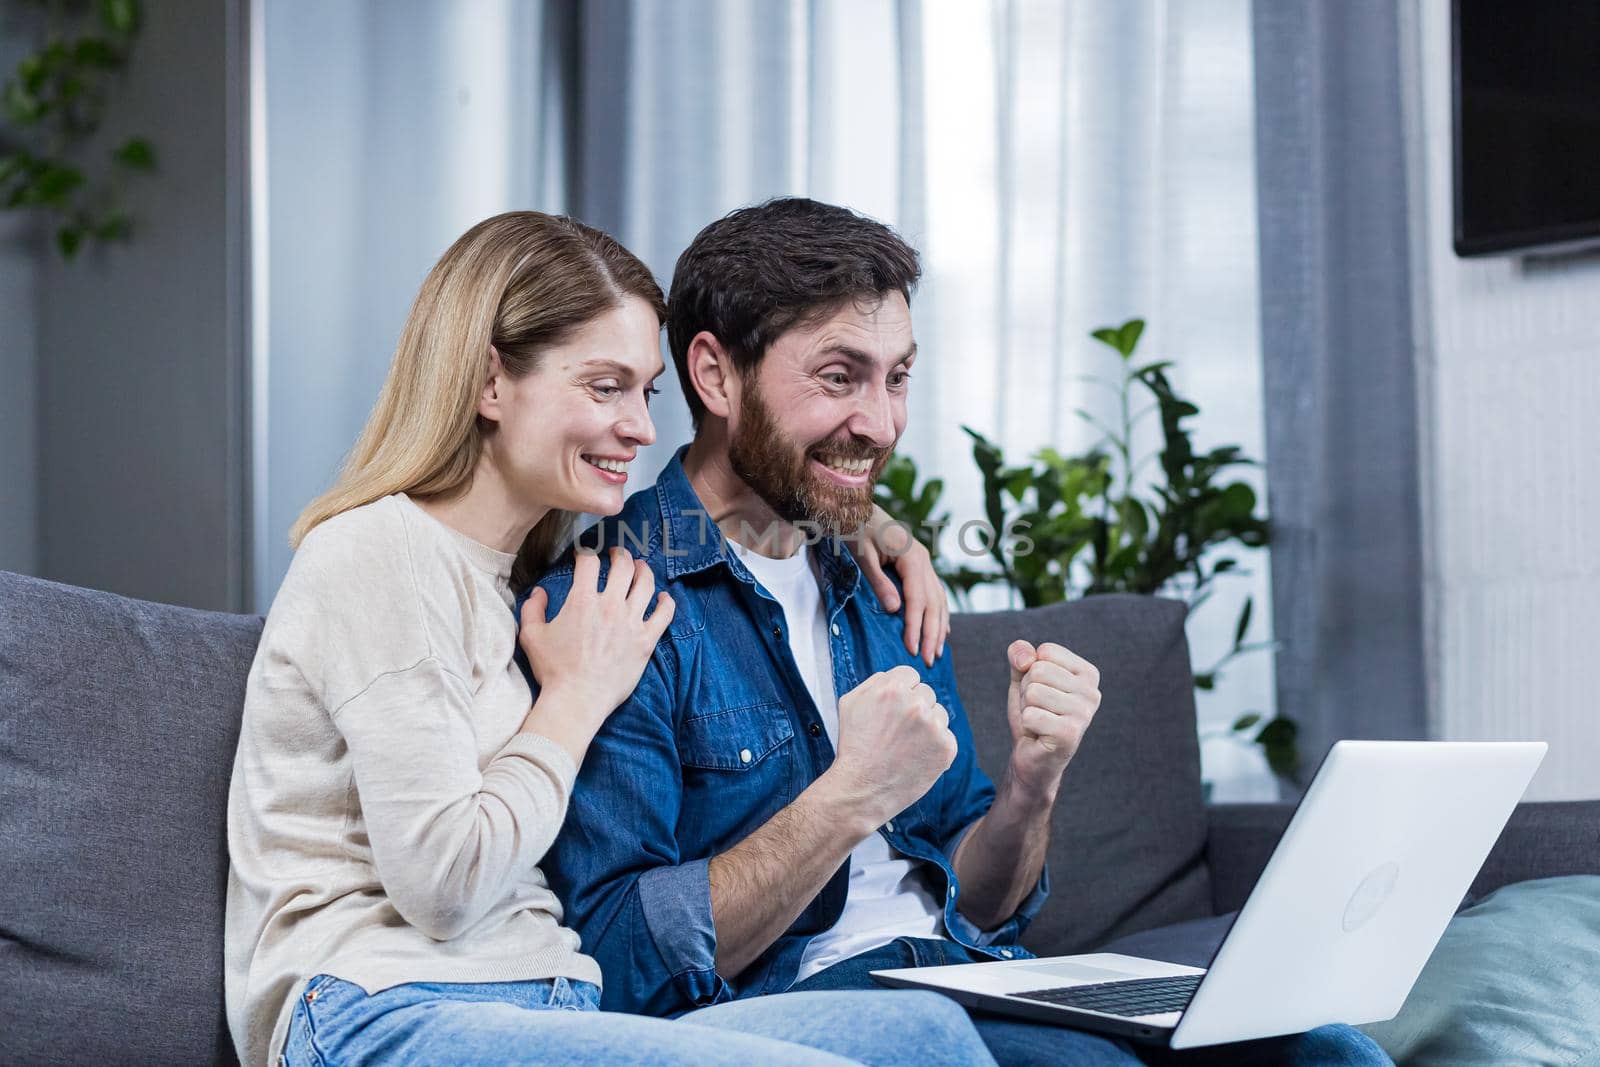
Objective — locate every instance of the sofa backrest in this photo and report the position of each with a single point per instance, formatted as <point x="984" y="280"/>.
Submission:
<point x="1127" y="846"/>
<point x="118" y="721"/>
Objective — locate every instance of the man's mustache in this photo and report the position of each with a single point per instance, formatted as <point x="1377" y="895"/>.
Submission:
<point x="851" y="448"/>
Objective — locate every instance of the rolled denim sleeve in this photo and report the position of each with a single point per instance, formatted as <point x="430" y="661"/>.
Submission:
<point x="966" y="796"/>
<point x="642" y="911"/>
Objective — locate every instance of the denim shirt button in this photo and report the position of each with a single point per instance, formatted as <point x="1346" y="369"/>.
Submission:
<point x="889" y="826"/>
<point x="1006" y="953"/>
<point x="744" y="755"/>
<point x="836" y="629"/>
<point x="815" y="729"/>
<point x="952" y="892"/>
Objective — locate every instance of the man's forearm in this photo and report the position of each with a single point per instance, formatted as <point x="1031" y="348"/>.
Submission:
<point x="761" y="885"/>
<point x="999" y="861"/>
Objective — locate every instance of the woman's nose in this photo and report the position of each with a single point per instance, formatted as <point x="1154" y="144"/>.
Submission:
<point x="638" y="426"/>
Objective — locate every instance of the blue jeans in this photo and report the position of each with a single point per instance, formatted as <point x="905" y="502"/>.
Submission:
<point x="556" y="1023"/>
<point x="1018" y="1042"/>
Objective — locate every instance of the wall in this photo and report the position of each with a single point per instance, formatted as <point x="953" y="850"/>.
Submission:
<point x="1508" y="358"/>
<point x="140" y="345"/>
<point x="19" y="487"/>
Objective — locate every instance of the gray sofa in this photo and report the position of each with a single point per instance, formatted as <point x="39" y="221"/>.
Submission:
<point x="118" y="720"/>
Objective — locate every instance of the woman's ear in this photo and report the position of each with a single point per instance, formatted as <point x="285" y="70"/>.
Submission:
<point x="712" y="375"/>
<point x="493" y="388"/>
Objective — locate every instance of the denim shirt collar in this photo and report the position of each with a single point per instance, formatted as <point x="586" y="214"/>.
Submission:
<point x="692" y="542"/>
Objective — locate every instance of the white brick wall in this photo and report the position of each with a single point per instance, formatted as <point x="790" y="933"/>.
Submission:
<point x="1509" y="381"/>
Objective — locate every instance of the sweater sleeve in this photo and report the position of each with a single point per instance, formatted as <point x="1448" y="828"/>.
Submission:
<point x="450" y="841"/>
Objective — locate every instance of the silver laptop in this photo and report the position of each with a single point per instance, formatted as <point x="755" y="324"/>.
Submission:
<point x="1377" y="858"/>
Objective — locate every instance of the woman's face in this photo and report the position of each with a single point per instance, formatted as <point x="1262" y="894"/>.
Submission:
<point x="567" y="431"/>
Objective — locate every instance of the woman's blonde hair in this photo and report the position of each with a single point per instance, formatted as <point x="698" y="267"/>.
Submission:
<point x="519" y="282"/>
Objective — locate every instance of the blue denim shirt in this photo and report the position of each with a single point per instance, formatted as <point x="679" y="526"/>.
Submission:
<point x="720" y="734"/>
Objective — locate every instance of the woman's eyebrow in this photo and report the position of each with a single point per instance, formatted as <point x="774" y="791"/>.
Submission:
<point x="622" y="370"/>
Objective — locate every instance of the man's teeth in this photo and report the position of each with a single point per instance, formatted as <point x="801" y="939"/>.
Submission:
<point x="847" y="466"/>
<point x="615" y="466"/>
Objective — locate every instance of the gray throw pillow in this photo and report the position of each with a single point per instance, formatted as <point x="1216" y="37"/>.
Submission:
<point x="1515" y="980"/>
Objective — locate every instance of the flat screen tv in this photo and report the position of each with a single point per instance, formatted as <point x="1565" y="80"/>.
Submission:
<point x="1527" y="124"/>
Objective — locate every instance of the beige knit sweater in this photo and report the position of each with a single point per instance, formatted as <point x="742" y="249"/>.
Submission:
<point x="386" y="817"/>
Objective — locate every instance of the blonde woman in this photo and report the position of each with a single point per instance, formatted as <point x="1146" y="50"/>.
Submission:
<point x="394" y="791"/>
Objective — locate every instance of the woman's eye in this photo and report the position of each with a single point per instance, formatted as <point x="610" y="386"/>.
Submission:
<point x="606" y="389"/>
<point x="649" y="392"/>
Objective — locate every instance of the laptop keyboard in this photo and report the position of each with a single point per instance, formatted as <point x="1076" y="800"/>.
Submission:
<point x="1130" y="998"/>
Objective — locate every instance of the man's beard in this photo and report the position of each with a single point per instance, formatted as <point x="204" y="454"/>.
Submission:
<point x="779" y="471"/>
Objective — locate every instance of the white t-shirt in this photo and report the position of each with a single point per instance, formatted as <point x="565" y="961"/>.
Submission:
<point x="888" y="896"/>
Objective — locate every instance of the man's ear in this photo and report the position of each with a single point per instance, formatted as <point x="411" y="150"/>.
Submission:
<point x="493" y="394"/>
<point x="712" y="375"/>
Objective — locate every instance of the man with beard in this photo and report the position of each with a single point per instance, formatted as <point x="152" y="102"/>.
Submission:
<point x="790" y="798"/>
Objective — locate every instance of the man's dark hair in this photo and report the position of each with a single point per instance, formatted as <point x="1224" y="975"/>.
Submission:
<point x="762" y="270"/>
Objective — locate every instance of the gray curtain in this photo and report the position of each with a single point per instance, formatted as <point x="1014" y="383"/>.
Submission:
<point x="1339" y="374"/>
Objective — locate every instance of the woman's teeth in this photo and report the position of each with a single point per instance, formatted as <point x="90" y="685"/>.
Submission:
<point x="847" y="466"/>
<point x="615" y="466"/>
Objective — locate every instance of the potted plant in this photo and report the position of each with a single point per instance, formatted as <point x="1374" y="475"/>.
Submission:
<point x="1065" y="526"/>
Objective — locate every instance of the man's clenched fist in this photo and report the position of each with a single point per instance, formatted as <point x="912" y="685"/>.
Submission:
<point x="1053" y="697"/>
<point x="894" y="742"/>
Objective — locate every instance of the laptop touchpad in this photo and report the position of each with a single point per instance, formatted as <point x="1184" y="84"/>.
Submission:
<point x="1067" y="971"/>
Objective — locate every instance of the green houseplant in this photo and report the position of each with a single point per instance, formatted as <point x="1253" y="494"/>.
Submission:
<point x="53" y="103"/>
<point x="1065" y="526"/>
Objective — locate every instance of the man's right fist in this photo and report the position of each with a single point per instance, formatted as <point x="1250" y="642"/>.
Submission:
<point x="894" y="743"/>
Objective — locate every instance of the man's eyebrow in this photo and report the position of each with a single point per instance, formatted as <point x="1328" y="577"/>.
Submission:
<point x="859" y="357"/>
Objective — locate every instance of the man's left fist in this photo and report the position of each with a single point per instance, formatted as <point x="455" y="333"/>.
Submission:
<point x="1053" y="697"/>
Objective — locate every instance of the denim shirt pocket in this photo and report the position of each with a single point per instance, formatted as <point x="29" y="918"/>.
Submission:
<point x="737" y="739"/>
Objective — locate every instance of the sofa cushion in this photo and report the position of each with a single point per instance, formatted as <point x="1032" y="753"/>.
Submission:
<point x="1515" y="980"/>
<point x="1128" y="837"/>
<point x="118" y="721"/>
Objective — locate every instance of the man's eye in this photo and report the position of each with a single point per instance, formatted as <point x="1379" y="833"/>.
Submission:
<point x="840" y="380"/>
<point x="899" y="381"/>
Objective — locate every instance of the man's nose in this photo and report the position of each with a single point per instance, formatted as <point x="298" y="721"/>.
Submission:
<point x="874" y="418"/>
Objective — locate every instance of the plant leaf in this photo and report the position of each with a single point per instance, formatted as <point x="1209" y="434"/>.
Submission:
<point x="136" y="154"/>
<point x="1244" y="621"/>
<point x="1244" y="722"/>
<point x="120" y="16"/>
<point x="1128" y="336"/>
<point x="68" y="238"/>
<point x="1278" y="740"/>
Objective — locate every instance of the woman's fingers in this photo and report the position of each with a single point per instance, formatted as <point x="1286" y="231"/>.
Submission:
<point x="532" y="619"/>
<point x="643" y="588"/>
<point x="916" y="607"/>
<point x="586" y="573"/>
<point x="661" y="618"/>
<point x="871" y="563"/>
<point x="619" y="579"/>
<point x="932" y="626"/>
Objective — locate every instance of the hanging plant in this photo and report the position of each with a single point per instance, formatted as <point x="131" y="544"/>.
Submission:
<point x="54" y="102"/>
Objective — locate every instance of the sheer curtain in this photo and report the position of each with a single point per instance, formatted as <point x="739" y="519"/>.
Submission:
<point x="1061" y="166"/>
<point x="383" y="132"/>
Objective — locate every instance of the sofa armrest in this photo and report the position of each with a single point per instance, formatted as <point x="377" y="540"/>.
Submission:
<point x="1542" y="840"/>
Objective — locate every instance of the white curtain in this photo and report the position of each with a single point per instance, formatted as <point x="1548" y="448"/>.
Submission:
<point x="1061" y="166"/>
<point x="383" y="132"/>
